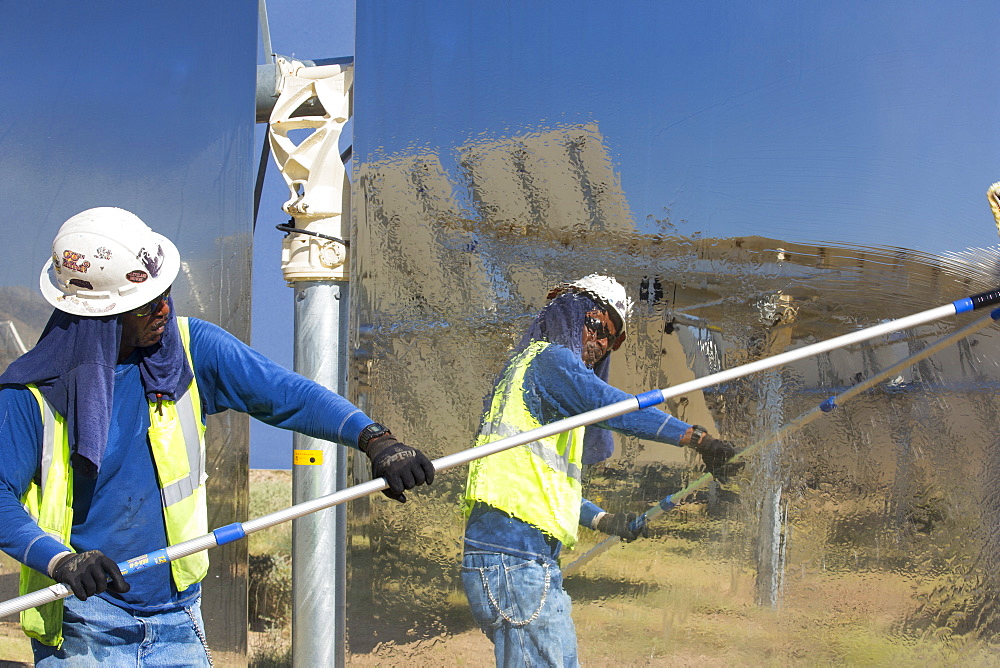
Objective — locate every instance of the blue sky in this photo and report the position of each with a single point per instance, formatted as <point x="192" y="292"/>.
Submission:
<point x="866" y="122"/>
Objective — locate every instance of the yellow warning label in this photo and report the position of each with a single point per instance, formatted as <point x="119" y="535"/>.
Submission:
<point x="307" y="457"/>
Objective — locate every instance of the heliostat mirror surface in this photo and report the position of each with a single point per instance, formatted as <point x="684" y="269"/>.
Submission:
<point x="148" y="108"/>
<point x="759" y="177"/>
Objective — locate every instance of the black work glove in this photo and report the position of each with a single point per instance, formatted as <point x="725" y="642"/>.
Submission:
<point x="89" y="573"/>
<point x="402" y="467"/>
<point x="621" y="525"/>
<point x="716" y="454"/>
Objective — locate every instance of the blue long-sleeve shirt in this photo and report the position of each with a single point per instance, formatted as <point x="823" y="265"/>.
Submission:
<point x="119" y="512"/>
<point x="557" y="385"/>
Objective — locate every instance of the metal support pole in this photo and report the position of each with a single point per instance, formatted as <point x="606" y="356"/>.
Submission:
<point x="779" y="314"/>
<point x="319" y="569"/>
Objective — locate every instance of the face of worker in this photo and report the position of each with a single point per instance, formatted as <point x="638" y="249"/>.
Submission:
<point x="598" y="334"/>
<point x="144" y="326"/>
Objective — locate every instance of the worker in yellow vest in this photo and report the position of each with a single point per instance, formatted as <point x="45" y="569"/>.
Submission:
<point x="523" y="504"/>
<point x="103" y="426"/>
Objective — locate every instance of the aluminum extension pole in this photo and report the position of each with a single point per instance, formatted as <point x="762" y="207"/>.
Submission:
<point x="238" y="530"/>
<point x="828" y="405"/>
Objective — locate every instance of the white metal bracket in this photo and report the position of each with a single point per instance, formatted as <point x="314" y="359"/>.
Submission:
<point x="306" y="150"/>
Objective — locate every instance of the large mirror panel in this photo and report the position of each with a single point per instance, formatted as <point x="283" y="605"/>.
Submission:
<point x="147" y="108"/>
<point x="759" y="178"/>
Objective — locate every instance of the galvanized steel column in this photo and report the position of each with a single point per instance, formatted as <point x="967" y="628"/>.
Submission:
<point x="319" y="610"/>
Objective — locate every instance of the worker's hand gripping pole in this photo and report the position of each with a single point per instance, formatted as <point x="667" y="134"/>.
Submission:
<point x="236" y="531"/>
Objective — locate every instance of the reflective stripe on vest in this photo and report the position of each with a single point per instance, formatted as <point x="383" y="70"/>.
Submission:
<point x="176" y="438"/>
<point x="539" y="482"/>
<point x="550" y="456"/>
<point x="44" y="623"/>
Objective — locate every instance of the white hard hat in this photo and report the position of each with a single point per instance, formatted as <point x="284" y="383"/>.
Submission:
<point x="609" y="292"/>
<point x="107" y="261"/>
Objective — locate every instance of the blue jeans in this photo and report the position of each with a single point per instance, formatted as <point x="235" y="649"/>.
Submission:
<point x="98" y="633"/>
<point x="521" y="606"/>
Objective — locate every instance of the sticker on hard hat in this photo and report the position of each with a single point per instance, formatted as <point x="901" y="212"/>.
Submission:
<point x="80" y="283"/>
<point x="103" y="253"/>
<point x="136" y="276"/>
<point x="71" y="260"/>
<point x="151" y="263"/>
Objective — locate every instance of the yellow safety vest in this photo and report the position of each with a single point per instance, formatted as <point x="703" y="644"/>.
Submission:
<point x="177" y="440"/>
<point x="538" y="482"/>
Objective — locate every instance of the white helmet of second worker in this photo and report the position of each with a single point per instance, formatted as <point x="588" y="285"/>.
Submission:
<point x="107" y="261"/>
<point x="606" y="290"/>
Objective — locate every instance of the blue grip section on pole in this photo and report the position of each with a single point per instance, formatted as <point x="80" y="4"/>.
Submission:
<point x="830" y="404"/>
<point x="963" y="305"/>
<point x="229" y="533"/>
<point x="651" y="398"/>
<point x="137" y="564"/>
<point x="995" y="314"/>
<point x="667" y="504"/>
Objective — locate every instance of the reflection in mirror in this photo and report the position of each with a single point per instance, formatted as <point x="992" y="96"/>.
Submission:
<point x="758" y="180"/>
<point x="146" y="108"/>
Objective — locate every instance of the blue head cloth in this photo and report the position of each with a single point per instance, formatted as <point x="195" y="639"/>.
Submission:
<point x="561" y="322"/>
<point x="73" y="365"/>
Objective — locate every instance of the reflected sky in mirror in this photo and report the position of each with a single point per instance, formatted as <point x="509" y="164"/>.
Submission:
<point x="137" y="107"/>
<point x="872" y="124"/>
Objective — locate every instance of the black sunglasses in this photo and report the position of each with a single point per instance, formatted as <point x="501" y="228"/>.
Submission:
<point x="152" y="307"/>
<point x="600" y="329"/>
